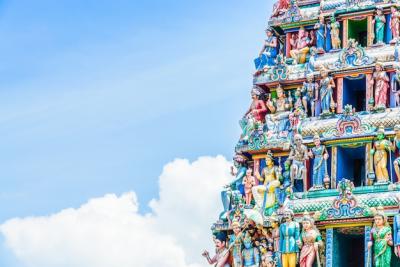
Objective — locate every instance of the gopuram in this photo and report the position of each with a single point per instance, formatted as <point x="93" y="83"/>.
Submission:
<point x="316" y="180"/>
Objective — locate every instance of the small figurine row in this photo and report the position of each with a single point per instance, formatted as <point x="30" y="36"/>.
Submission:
<point x="286" y="245"/>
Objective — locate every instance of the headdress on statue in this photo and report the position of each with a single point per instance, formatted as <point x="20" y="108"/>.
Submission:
<point x="221" y="236"/>
<point x="397" y="127"/>
<point x="269" y="29"/>
<point x="257" y="91"/>
<point x="316" y="136"/>
<point x="307" y="217"/>
<point x="310" y="76"/>
<point x="381" y="212"/>
<point x="290" y="212"/>
<point x="269" y="155"/>
<point x="273" y="218"/>
<point x="240" y="158"/>
<point x="380" y="64"/>
<point x="381" y="130"/>
<point x="379" y="8"/>
<point x="279" y="88"/>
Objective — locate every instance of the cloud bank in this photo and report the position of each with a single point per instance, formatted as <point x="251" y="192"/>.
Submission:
<point x="109" y="231"/>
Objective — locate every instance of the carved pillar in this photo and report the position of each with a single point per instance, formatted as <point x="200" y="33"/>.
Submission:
<point x="370" y="31"/>
<point x="369" y="90"/>
<point x="329" y="247"/>
<point x="345" y="32"/>
<point x="367" y="236"/>
<point x="287" y="45"/>
<point x="333" y="166"/>
<point x="339" y="95"/>
<point x="369" y="164"/>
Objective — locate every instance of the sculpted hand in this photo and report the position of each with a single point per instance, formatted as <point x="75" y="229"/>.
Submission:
<point x="369" y="245"/>
<point x="205" y="253"/>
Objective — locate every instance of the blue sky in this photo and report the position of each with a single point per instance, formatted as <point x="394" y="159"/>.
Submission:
<point x="96" y="96"/>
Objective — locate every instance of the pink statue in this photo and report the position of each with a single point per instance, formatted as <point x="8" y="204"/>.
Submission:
<point x="311" y="242"/>
<point x="380" y="82"/>
<point x="280" y="7"/>
<point x="394" y="23"/>
<point x="222" y="254"/>
<point x="300" y="47"/>
<point x="248" y="181"/>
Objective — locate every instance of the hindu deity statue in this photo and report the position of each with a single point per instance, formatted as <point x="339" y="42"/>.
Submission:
<point x="289" y="241"/>
<point x="298" y="100"/>
<point x="396" y="147"/>
<point x="280" y="108"/>
<point x="320" y="32"/>
<point x="310" y="95"/>
<point x="396" y="234"/>
<point x="395" y="85"/>
<point x="380" y="82"/>
<point x="300" y="47"/>
<point x="254" y="117"/>
<point x="326" y="92"/>
<point x="275" y="239"/>
<point x="298" y="156"/>
<point x="221" y="252"/>
<point x="250" y="254"/>
<point x="280" y="7"/>
<point x="335" y="33"/>
<point x="248" y="181"/>
<point x="381" y="241"/>
<point x="268" y="52"/>
<point x="394" y="23"/>
<point x="235" y="187"/>
<point x="285" y="189"/>
<point x="379" y="21"/>
<point x="264" y="194"/>
<point x="236" y="244"/>
<point x="311" y="243"/>
<point x="320" y="169"/>
<point x="380" y="156"/>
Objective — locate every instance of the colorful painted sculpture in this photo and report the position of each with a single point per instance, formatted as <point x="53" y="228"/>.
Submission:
<point x="380" y="156"/>
<point x="248" y="181"/>
<point x="335" y="33"/>
<point x="221" y="252"/>
<point x="380" y="82"/>
<point x="396" y="147"/>
<point x="280" y="108"/>
<point x="236" y="244"/>
<point x="394" y="23"/>
<point x="326" y="92"/>
<point x="300" y="47"/>
<point x="254" y="117"/>
<point x="320" y="32"/>
<point x="379" y="22"/>
<point x="381" y="241"/>
<point x="396" y="234"/>
<point x="273" y="219"/>
<point x="298" y="156"/>
<point x="289" y="241"/>
<point x="269" y="51"/>
<point x="310" y="95"/>
<point x="311" y="243"/>
<point x="320" y="169"/>
<point x="285" y="189"/>
<point x="264" y="194"/>
<point x="250" y="254"/>
<point x="395" y="85"/>
<point x="280" y="7"/>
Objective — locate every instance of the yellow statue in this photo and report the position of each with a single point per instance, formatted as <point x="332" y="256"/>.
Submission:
<point x="380" y="154"/>
<point x="264" y="194"/>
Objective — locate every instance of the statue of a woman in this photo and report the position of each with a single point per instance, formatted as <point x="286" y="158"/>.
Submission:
<point x="394" y="24"/>
<point x="396" y="146"/>
<point x="311" y="242"/>
<point x="380" y="153"/>
<point x="268" y="52"/>
<point x="379" y="21"/>
<point x="380" y="82"/>
<point x="320" y="32"/>
<point x="381" y="241"/>
<point x="335" y="33"/>
<point x="320" y="155"/>
<point x="310" y="95"/>
<point x="264" y="194"/>
<point x="326" y="92"/>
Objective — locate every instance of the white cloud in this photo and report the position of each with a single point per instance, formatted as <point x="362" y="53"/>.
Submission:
<point x="109" y="231"/>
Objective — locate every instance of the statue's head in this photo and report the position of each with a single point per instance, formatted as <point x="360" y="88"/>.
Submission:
<point x="302" y="32"/>
<point x="269" y="31"/>
<point x="249" y="171"/>
<point x="235" y="227"/>
<point x="393" y="9"/>
<point x="321" y="19"/>
<point x="380" y="134"/>
<point x="256" y="92"/>
<point x="310" y="77"/>
<point x="220" y="240"/>
<point x="379" y="66"/>
<point x="269" y="160"/>
<point x="279" y="91"/>
<point x="287" y="164"/>
<point x="288" y="215"/>
<point x="317" y="139"/>
<point x="324" y="72"/>
<point x="379" y="11"/>
<point x="307" y="221"/>
<point x="380" y="218"/>
<point x="298" y="139"/>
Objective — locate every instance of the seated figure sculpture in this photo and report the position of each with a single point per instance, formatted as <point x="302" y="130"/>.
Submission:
<point x="269" y="51"/>
<point x="300" y="47"/>
<point x="280" y="108"/>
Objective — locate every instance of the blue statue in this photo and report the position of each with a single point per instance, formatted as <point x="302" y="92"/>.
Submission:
<point x="269" y="51"/>
<point x="250" y="254"/>
<point x="326" y="92"/>
<point x="396" y="234"/>
<point x="320" y="170"/>
<point x="285" y="189"/>
<point x="320" y="32"/>
<point x="289" y="240"/>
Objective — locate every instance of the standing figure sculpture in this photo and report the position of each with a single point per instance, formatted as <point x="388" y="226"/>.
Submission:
<point x="300" y="47"/>
<point x="395" y="84"/>
<point x="311" y="243"/>
<point x="298" y="156"/>
<point x="264" y="194"/>
<point x="396" y="147"/>
<point x="269" y="51"/>
<point x="380" y="83"/>
<point x="335" y="33"/>
<point x="381" y="241"/>
<point x="254" y="117"/>
<point x="275" y="239"/>
<point x="326" y="92"/>
<point x="250" y="254"/>
<point x="380" y="156"/>
<point x="379" y="21"/>
<point x="310" y="95"/>
<point x="320" y="32"/>
<point x="394" y="23"/>
<point x="248" y="181"/>
<point x="235" y="245"/>
<point x="222" y="254"/>
<point x="289" y="241"/>
<point x="396" y="234"/>
<point x="320" y="169"/>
